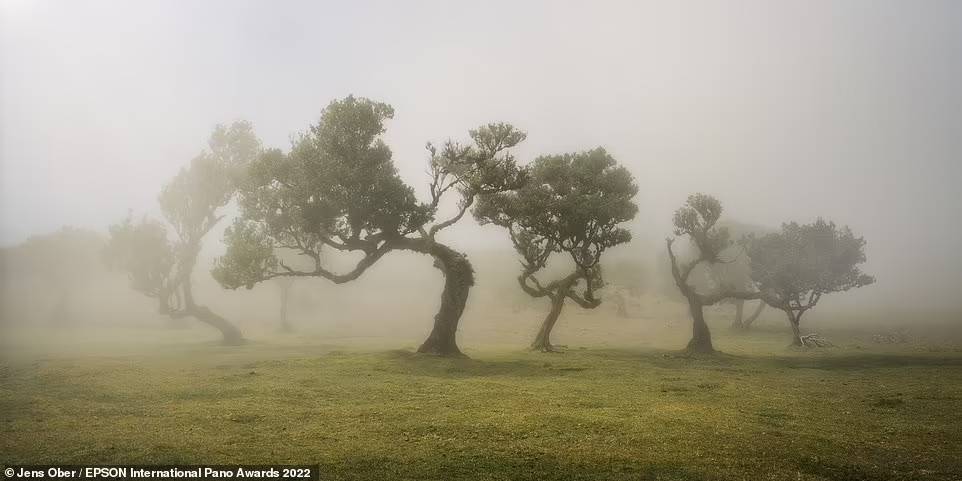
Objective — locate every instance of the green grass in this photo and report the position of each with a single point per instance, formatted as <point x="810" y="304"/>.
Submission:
<point x="842" y="414"/>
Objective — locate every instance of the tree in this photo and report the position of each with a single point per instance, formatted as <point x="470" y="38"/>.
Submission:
<point x="54" y="266"/>
<point x="284" y="285"/>
<point x="338" y="189"/>
<point x="573" y="204"/>
<point x="191" y="204"/>
<point x="794" y="268"/>
<point x="626" y="278"/>
<point x="735" y="271"/>
<point x="745" y="323"/>
<point x="697" y="220"/>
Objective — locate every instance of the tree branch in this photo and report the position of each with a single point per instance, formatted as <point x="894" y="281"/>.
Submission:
<point x="465" y="205"/>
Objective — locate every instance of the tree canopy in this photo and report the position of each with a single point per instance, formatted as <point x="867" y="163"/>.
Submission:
<point x="574" y="204"/>
<point x="338" y="189"/>
<point x="793" y="268"/>
<point x="192" y="204"/>
<point x="698" y="220"/>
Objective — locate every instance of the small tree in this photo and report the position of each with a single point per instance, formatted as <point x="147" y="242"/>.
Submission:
<point x="284" y="285"/>
<point x="573" y="204"/>
<point x="625" y="279"/>
<point x="338" y="189"/>
<point x="191" y="203"/>
<point x="697" y="220"/>
<point x="737" y="272"/>
<point x="793" y="268"/>
<point x="143" y="252"/>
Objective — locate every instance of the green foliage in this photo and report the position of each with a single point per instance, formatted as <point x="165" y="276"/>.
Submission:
<point x="348" y="185"/>
<point x="571" y="203"/>
<point x="338" y="183"/>
<point x="697" y="219"/>
<point x="143" y="252"/>
<point x="191" y="200"/>
<point x="483" y="168"/>
<point x="191" y="203"/>
<point x="338" y="189"/>
<point x="249" y="254"/>
<point x="796" y="266"/>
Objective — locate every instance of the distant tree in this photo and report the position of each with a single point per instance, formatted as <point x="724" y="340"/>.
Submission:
<point x="338" y="189"/>
<point x="55" y="266"/>
<point x="794" y="268"/>
<point x="697" y="220"/>
<point x="284" y="284"/>
<point x="744" y="323"/>
<point x="144" y="253"/>
<point x="572" y="204"/>
<point x="735" y="271"/>
<point x="625" y="278"/>
<point x="191" y="204"/>
<point x="738" y="273"/>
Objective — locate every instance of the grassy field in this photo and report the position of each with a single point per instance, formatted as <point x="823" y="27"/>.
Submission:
<point x="849" y="413"/>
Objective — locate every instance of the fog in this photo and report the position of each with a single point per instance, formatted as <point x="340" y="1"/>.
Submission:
<point x="784" y="111"/>
<point x="208" y="258"/>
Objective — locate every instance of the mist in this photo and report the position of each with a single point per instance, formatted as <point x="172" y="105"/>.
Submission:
<point x="782" y="111"/>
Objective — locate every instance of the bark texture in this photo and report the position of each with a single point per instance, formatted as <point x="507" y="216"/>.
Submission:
<point x="231" y="335"/>
<point x="458" y="279"/>
<point x="794" y="320"/>
<point x="700" y="342"/>
<point x="542" y="342"/>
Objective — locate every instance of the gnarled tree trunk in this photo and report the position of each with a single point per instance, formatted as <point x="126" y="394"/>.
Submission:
<point x="793" y="320"/>
<point x="458" y="279"/>
<point x="700" y="336"/>
<point x="231" y="334"/>
<point x="542" y="342"/>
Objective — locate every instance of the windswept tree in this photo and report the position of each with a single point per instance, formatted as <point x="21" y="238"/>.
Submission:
<point x="572" y="204"/>
<point x="697" y="220"/>
<point x="338" y="189"/>
<point x="192" y="204"/>
<point x="794" y="268"/>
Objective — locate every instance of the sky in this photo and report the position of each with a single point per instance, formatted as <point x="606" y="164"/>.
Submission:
<point x="783" y="110"/>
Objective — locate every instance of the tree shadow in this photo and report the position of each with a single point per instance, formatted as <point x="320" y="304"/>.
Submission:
<point x="867" y="361"/>
<point x="409" y="362"/>
<point x="583" y="361"/>
<point x="475" y="464"/>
